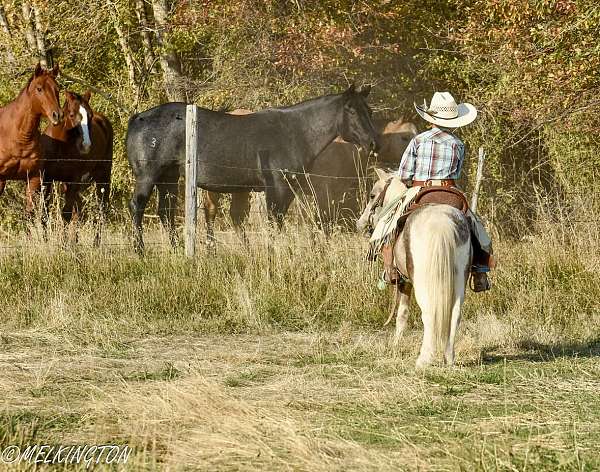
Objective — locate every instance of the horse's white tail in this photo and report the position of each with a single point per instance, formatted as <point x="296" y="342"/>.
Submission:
<point x="433" y="250"/>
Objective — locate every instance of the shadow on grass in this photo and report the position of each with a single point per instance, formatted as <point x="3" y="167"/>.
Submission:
<point x="539" y="352"/>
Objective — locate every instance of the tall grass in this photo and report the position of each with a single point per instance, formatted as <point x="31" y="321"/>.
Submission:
<point x="545" y="287"/>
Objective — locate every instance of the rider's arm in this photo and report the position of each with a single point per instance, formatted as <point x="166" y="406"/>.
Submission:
<point x="458" y="159"/>
<point x="406" y="171"/>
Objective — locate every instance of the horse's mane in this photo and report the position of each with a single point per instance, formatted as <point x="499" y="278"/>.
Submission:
<point x="305" y="103"/>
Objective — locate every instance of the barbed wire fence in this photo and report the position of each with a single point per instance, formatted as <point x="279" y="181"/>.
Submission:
<point x="295" y="178"/>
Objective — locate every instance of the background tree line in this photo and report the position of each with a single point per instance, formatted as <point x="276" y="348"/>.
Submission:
<point x="530" y="66"/>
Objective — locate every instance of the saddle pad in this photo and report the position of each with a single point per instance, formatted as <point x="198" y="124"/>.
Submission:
<point x="389" y="221"/>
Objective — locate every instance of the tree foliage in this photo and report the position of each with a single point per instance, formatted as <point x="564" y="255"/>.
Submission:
<point x="529" y="66"/>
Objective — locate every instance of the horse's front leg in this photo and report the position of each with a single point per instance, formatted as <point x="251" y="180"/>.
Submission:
<point x="279" y="198"/>
<point x="403" y="291"/>
<point x="211" y="208"/>
<point x="34" y="185"/>
<point x="239" y="211"/>
<point x="71" y="210"/>
<point x="2" y="186"/>
<point x="47" y="199"/>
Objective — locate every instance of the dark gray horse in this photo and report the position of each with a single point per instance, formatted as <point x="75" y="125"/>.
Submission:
<point x="257" y="152"/>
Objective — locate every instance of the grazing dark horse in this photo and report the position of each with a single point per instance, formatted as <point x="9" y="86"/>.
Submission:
<point x="20" y="151"/>
<point x="79" y="152"/>
<point x="258" y="152"/>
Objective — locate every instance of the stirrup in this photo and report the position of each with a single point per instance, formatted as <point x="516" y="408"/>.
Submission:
<point x="383" y="282"/>
<point x="478" y="289"/>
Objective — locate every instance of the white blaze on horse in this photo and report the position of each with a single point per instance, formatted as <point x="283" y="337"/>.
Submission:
<point x="85" y="130"/>
<point x="434" y="253"/>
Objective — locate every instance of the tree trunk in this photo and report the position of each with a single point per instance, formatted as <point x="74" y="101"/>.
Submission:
<point x="127" y="53"/>
<point x="40" y="36"/>
<point x="140" y="11"/>
<point x="27" y="12"/>
<point x="10" y="56"/>
<point x="171" y="66"/>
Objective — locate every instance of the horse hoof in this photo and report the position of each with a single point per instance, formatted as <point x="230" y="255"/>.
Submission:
<point x="422" y="363"/>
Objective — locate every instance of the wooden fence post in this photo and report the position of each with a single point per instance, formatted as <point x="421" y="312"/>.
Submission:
<point x="478" y="179"/>
<point x="191" y="167"/>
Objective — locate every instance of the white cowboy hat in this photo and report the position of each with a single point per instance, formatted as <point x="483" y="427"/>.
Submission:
<point x="443" y="111"/>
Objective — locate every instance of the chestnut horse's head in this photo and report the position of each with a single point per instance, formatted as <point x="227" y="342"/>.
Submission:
<point x="78" y="115"/>
<point x="42" y="90"/>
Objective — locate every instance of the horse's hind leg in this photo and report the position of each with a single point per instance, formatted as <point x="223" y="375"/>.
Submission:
<point x="167" y="205"/>
<point x="211" y="208"/>
<point x="239" y="211"/>
<point x="459" y="292"/>
<point x="427" y="352"/>
<point x="137" y="205"/>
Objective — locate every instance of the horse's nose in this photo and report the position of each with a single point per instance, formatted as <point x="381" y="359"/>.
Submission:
<point x="56" y="117"/>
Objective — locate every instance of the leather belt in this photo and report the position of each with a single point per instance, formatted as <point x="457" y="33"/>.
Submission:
<point x="434" y="183"/>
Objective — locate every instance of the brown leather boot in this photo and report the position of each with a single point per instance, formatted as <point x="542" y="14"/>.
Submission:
<point x="480" y="282"/>
<point x="392" y="276"/>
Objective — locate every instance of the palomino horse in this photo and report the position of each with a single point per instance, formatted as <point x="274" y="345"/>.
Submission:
<point x="434" y="253"/>
<point x="257" y="152"/>
<point x="21" y="156"/>
<point x="79" y="152"/>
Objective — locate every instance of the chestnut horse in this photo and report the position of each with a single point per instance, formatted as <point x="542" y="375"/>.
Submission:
<point x="21" y="156"/>
<point x="79" y="152"/>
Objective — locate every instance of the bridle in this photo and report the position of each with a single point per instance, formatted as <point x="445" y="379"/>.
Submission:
<point x="376" y="204"/>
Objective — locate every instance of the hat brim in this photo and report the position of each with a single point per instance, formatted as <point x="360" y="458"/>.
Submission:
<point x="466" y="114"/>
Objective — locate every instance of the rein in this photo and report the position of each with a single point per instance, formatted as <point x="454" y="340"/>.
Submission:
<point x="379" y="203"/>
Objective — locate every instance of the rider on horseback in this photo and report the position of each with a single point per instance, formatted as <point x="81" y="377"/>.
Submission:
<point x="435" y="159"/>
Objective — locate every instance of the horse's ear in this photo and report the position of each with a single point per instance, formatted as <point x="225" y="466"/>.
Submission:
<point x="381" y="174"/>
<point x="55" y="71"/>
<point x="364" y="91"/>
<point x="86" y="96"/>
<point x="38" y="70"/>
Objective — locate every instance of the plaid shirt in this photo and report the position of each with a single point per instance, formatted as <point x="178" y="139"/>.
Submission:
<point x="434" y="154"/>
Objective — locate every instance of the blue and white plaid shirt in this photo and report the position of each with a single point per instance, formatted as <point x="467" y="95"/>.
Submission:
<point x="434" y="154"/>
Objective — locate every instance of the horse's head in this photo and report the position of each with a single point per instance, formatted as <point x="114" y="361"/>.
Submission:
<point x="78" y="115"/>
<point x="43" y="92"/>
<point x="387" y="187"/>
<point x="356" y="124"/>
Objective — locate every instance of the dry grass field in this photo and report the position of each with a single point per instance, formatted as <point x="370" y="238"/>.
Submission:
<point x="273" y="357"/>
